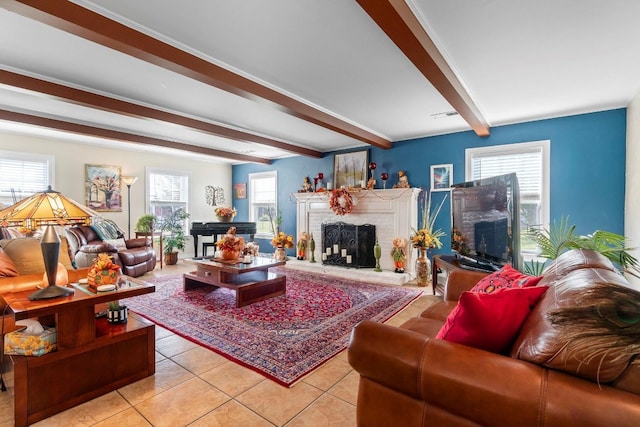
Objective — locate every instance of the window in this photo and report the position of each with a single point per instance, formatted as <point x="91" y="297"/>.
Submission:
<point x="168" y="191"/>
<point x="23" y="174"/>
<point x="530" y="161"/>
<point x="263" y="208"/>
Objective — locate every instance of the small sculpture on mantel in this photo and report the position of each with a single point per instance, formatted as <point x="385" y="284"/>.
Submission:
<point x="403" y="181"/>
<point x="306" y="186"/>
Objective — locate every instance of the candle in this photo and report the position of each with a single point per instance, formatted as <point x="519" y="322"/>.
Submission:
<point x="324" y="257"/>
<point x="217" y="254"/>
<point x="348" y="259"/>
<point x="328" y="251"/>
<point x="329" y="186"/>
<point x="247" y="259"/>
<point x="344" y="253"/>
<point x="336" y="248"/>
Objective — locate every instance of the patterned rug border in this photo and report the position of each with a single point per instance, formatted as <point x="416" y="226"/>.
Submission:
<point x="409" y="296"/>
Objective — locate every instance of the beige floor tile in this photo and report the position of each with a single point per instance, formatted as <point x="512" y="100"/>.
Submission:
<point x="328" y="411"/>
<point x="199" y="359"/>
<point x="182" y="404"/>
<point x="173" y="345"/>
<point x="168" y="374"/>
<point x="231" y="414"/>
<point x="88" y="413"/>
<point x="127" y="418"/>
<point x="328" y="374"/>
<point x="162" y="332"/>
<point x="232" y="378"/>
<point x="347" y="388"/>
<point x="276" y="403"/>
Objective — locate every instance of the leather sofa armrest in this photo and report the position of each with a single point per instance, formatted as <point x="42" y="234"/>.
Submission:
<point x="460" y="281"/>
<point x="138" y="243"/>
<point x="97" y="248"/>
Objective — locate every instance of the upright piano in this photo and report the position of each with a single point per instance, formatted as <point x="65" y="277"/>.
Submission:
<point x="216" y="229"/>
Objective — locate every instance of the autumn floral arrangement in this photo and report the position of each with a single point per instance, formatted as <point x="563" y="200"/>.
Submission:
<point x="281" y="240"/>
<point x="230" y="242"/>
<point x="103" y="271"/>
<point x="225" y="211"/>
<point x="459" y="242"/>
<point x="340" y="201"/>
<point x="426" y="237"/>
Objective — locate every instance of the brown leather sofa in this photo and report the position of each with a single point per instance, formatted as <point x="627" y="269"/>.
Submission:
<point x="578" y="372"/>
<point x="135" y="258"/>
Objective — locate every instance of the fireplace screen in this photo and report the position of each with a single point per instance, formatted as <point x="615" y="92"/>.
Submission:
<point x="348" y="245"/>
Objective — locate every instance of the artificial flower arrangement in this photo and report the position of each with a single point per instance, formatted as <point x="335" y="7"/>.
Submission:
<point x="340" y="201"/>
<point x="230" y="242"/>
<point x="459" y="242"/>
<point x="281" y="240"/>
<point x="225" y="211"/>
<point x="426" y="237"/>
<point x="103" y="271"/>
<point x="399" y="253"/>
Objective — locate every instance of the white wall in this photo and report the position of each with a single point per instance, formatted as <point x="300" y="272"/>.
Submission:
<point x="632" y="184"/>
<point x="71" y="157"/>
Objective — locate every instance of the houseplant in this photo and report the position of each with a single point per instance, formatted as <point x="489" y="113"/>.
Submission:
<point x="173" y="239"/>
<point x="117" y="313"/>
<point x="146" y="223"/>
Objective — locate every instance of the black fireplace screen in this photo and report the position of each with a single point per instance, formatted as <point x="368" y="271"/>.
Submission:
<point x="348" y="245"/>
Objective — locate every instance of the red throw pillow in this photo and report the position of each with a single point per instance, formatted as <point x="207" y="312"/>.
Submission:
<point x="506" y="277"/>
<point x="490" y="321"/>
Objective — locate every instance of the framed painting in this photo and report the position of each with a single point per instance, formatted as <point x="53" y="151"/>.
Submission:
<point x="350" y="169"/>
<point x="441" y="176"/>
<point x="102" y="184"/>
<point x="240" y="190"/>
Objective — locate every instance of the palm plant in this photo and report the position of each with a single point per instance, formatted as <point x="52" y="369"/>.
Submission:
<point x="561" y="237"/>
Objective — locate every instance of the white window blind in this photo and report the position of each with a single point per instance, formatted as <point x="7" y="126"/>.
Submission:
<point x="22" y="174"/>
<point x="167" y="192"/>
<point x="263" y="190"/>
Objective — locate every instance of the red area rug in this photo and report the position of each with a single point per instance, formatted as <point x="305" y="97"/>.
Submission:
<point x="283" y="338"/>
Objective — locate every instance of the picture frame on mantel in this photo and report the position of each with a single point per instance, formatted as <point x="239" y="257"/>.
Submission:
<point x="102" y="185"/>
<point x="441" y="176"/>
<point x="350" y="169"/>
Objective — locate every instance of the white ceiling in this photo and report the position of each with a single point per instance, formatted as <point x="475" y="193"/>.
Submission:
<point x="518" y="60"/>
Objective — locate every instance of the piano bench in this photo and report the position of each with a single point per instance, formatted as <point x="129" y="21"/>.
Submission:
<point x="205" y="246"/>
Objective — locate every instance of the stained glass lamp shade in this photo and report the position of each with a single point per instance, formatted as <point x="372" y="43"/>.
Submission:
<point x="48" y="208"/>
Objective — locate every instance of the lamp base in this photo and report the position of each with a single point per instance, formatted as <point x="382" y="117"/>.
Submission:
<point x="51" y="291"/>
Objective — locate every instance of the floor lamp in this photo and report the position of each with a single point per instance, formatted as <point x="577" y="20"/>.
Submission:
<point x="47" y="209"/>
<point x="129" y="181"/>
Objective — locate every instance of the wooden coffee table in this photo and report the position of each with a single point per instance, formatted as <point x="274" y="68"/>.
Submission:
<point x="252" y="282"/>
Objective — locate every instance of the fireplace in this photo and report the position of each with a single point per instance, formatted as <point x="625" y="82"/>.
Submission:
<point x="348" y="245"/>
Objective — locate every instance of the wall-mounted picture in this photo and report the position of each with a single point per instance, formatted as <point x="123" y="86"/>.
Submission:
<point x="102" y="184"/>
<point x="240" y="190"/>
<point x="350" y="169"/>
<point x="441" y="176"/>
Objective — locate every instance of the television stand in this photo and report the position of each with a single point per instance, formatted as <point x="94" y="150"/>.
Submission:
<point x="446" y="263"/>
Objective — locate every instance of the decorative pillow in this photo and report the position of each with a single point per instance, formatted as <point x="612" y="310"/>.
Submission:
<point x="26" y="254"/>
<point x="506" y="277"/>
<point x="490" y="321"/>
<point x="7" y="267"/>
<point x="107" y="229"/>
<point x="119" y="244"/>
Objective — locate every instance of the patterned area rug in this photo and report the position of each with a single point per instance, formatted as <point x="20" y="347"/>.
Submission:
<point x="283" y="338"/>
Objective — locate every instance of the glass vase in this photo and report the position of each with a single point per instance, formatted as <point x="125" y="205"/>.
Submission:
<point x="423" y="268"/>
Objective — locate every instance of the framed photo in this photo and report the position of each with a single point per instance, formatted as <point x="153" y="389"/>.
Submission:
<point x="240" y="190"/>
<point x="350" y="169"/>
<point x="441" y="176"/>
<point x="102" y="184"/>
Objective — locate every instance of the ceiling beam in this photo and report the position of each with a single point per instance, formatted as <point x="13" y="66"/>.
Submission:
<point x="93" y="100"/>
<point x="397" y="20"/>
<point x="65" y="126"/>
<point x="87" y="24"/>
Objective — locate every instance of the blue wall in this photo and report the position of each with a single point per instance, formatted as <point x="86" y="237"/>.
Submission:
<point x="587" y="168"/>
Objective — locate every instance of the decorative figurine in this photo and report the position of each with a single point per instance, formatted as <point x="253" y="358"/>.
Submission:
<point x="403" y="181"/>
<point x="312" y="248"/>
<point x="302" y="245"/>
<point x="377" y="252"/>
<point x="306" y="186"/>
<point x="399" y="253"/>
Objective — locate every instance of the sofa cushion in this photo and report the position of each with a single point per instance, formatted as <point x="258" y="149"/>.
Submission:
<point x="490" y="321"/>
<point x="118" y="244"/>
<point x="7" y="267"/>
<point x="506" y="277"/>
<point x="586" y="324"/>
<point x="26" y="254"/>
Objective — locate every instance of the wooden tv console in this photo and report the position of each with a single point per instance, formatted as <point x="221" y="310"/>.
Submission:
<point x="93" y="356"/>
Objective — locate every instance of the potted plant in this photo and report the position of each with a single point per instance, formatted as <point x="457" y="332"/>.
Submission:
<point x="117" y="313"/>
<point x="146" y="223"/>
<point x="173" y="238"/>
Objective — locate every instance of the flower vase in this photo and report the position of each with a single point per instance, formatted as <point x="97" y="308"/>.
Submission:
<point x="423" y="268"/>
<point x="280" y="254"/>
<point x="228" y="218"/>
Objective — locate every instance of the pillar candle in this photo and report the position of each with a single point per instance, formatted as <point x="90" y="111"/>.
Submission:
<point x="328" y="251"/>
<point x="329" y="186"/>
<point x="336" y="248"/>
<point x="344" y="253"/>
<point x="348" y="259"/>
<point x="324" y="257"/>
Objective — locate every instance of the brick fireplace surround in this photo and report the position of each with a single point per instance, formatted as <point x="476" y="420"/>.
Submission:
<point x="394" y="212"/>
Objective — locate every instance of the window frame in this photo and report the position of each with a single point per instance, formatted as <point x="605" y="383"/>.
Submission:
<point x="544" y="146"/>
<point x="164" y="171"/>
<point x="47" y="159"/>
<point x="251" y="178"/>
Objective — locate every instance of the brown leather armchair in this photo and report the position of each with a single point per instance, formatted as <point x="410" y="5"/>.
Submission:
<point x="135" y="258"/>
<point x="409" y="378"/>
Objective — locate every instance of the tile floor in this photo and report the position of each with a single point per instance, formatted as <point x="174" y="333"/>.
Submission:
<point x="194" y="386"/>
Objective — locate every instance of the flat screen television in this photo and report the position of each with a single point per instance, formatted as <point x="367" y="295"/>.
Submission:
<point x="486" y="222"/>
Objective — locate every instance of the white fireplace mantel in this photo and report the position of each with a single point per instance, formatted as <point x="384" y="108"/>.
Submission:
<point x="394" y="212"/>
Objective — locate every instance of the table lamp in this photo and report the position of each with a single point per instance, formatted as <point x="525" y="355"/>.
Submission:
<point x="47" y="208"/>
